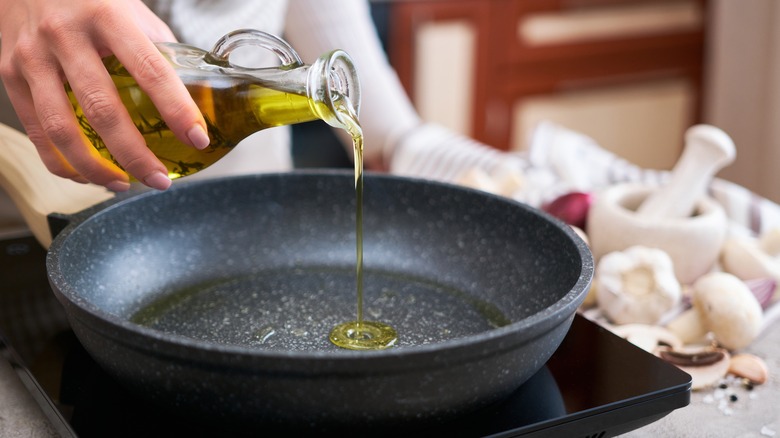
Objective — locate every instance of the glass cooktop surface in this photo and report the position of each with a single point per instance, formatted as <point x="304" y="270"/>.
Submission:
<point x="596" y="385"/>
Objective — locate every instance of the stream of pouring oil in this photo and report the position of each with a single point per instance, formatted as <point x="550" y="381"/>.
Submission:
<point x="359" y="334"/>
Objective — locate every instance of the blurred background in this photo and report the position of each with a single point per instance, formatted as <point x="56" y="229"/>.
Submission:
<point x="632" y="74"/>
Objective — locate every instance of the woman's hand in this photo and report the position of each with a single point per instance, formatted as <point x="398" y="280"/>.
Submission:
<point x="46" y="43"/>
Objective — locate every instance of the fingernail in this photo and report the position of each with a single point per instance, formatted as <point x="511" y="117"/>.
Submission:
<point x="118" y="186"/>
<point x="198" y="137"/>
<point x="157" y="180"/>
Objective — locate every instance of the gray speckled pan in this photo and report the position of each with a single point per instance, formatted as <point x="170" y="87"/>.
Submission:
<point x="216" y="298"/>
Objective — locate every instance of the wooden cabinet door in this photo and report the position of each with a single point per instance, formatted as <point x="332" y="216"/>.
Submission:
<point x="533" y="56"/>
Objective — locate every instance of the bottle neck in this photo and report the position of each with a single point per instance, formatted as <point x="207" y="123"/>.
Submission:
<point x="291" y="93"/>
<point x="334" y="90"/>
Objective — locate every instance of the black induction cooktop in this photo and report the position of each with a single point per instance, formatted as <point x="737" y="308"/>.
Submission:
<point x="596" y="385"/>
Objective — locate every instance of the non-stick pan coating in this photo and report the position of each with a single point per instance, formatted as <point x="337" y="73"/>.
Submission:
<point x="218" y="296"/>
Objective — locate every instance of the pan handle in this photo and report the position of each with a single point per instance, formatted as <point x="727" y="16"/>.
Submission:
<point x="36" y="192"/>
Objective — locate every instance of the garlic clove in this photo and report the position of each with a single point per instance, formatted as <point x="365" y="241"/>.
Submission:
<point x="770" y="242"/>
<point x="478" y="179"/>
<point x="581" y="233"/>
<point x="750" y="367"/>
<point x="571" y="208"/>
<point x="508" y="181"/>
<point x="744" y="257"/>
<point x="688" y="326"/>
<point x="763" y="289"/>
<point x="590" y="298"/>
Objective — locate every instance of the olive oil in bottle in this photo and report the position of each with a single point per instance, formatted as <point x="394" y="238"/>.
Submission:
<point x="235" y="101"/>
<point x="233" y="107"/>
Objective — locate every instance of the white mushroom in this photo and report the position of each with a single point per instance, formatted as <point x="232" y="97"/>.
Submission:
<point x="636" y="285"/>
<point x="647" y="337"/>
<point x="706" y="366"/>
<point x="724" y="306"/>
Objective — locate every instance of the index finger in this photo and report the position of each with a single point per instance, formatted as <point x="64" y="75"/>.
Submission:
<point x="158" y="79"/>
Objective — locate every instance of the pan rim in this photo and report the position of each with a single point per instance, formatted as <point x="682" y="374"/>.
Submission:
<point x="171" y="345"/>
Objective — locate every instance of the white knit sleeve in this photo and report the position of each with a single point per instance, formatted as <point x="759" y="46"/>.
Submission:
<point x="202" y="22"/>
<point x="313" y="29"/>
<point x="393" y="132"/>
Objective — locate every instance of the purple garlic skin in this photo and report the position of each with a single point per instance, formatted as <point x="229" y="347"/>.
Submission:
<point x="571" y="208"/>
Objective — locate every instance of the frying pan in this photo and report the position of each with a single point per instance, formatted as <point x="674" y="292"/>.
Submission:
<point x="215" y="298"/>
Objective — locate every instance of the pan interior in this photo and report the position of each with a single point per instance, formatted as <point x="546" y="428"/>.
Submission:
<point x="294" y="309"/>
<point x="269" y="261"/>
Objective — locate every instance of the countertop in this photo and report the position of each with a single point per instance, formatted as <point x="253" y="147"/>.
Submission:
<point x="711" y="414"/>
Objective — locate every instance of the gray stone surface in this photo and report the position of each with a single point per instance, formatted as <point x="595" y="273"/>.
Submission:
<point x="20" y="415"/>
<point x="755" y="413"/>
